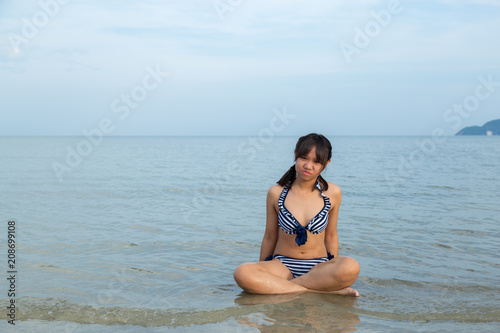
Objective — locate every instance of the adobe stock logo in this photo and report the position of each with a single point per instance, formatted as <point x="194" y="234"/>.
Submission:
<point x="31" y="27"/>
<point x="471" y="103"/>
<point x="371" y="30"/>
<point x="225" y="6"/>
<point x="249" y="149"/>
<point x="454" y="116"/>
<point x="121" y="106"/>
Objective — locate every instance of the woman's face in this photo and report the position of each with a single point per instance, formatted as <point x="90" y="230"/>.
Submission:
<point x="307" y="166"/>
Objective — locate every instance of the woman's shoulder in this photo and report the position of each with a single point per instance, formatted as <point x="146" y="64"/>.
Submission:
<point x="333" y="191"/>
<point x="273" y="194"/>
<point x="275" y="190"/>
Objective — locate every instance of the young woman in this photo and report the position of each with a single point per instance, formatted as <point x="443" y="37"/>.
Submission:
<point x="299" y="250"/>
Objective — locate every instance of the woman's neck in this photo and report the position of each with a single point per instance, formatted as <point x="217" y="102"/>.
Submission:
<point x="303" y="186"/>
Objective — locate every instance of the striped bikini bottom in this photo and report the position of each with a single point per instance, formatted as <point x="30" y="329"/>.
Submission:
<point x="298" y="267"/>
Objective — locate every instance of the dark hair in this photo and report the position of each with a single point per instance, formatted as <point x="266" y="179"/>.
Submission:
<point x="302" y="148"/>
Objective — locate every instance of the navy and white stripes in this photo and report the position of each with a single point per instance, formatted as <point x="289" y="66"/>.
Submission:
<point x="289" y="224"/>
<point x="299" y="267"/>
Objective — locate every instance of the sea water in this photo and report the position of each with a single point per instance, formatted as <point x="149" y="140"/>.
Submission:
<point x="142" y="234"/>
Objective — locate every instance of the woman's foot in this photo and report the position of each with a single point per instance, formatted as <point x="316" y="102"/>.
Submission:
<point x="346" y="292"/>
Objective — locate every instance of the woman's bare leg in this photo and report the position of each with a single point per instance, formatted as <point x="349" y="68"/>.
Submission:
<point x="333" y="276"/>
<point x="266" y="277"/>
<point x="272" y="277"/>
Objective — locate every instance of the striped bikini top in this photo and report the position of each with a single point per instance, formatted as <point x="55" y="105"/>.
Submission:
<point x="289" y="224"/>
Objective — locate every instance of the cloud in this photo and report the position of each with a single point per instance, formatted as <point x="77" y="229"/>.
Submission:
<point x="472" y="2"/>
<point x="276" y="50"/>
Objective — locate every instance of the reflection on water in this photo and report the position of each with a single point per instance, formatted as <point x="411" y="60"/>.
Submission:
<point x="307" y="312"/>
<point x="128" y="240"/>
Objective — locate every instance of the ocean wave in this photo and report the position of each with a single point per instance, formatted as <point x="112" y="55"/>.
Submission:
<point x="281" y="308"/>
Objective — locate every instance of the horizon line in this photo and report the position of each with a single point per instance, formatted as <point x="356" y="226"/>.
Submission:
<point x="220" y="136"/>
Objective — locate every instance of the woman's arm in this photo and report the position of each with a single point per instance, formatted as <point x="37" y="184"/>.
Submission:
<point x="331" y="237"/>
<point x="271" y="234"/>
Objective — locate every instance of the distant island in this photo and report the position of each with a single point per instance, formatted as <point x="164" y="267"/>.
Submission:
<point x="490" y="128"/>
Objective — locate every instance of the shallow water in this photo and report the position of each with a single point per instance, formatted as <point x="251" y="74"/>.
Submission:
<point x="144" y="233"/>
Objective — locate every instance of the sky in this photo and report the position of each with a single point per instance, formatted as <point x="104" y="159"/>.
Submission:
<point x="248" y="67"/>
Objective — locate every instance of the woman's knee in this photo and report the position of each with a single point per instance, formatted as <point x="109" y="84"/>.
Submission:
<point x="243" y="273"/>
<point x="350" y="267"/>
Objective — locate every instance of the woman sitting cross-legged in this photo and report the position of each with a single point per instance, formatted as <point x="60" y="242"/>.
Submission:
<point x="299" y="250"/>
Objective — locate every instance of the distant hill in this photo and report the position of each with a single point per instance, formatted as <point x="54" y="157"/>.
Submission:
<point x="490" y="128"/>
